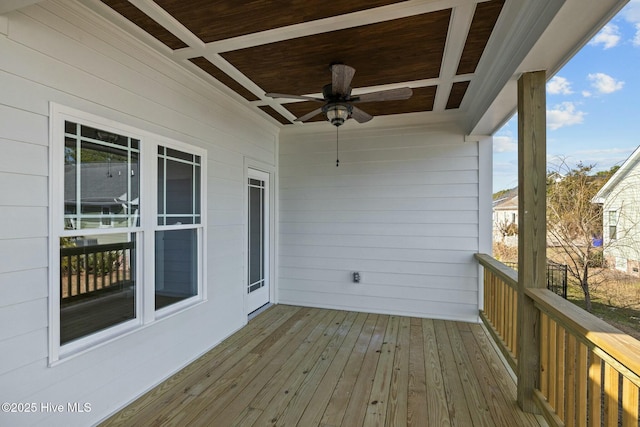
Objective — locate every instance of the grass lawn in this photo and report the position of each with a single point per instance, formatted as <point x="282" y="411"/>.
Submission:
<point x="615" y="297"/>
<point x="616" y="301"/>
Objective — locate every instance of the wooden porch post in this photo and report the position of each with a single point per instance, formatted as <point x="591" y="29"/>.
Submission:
<point x="532" y="230"/>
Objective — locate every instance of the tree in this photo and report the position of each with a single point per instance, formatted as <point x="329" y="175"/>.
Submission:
<point x="573" y="222"/>
<point x="507" y="228"/>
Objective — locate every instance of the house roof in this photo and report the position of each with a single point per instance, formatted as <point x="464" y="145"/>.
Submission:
<point x="624" y="171"/>
<point x="462" y="58"/>
<point x="506" y="204"/>
<point x="102" y="184"/>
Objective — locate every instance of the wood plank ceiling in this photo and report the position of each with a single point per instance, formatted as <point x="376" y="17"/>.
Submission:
<point x="260" y="46"/>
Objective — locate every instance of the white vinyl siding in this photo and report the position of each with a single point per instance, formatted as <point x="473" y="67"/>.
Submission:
<point x="621" y="215"/>
<point x="400" y="209"/>
<point x="60" y="52"/>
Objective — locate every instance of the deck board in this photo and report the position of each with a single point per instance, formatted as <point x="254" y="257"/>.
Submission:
<point x="314" y="367"/>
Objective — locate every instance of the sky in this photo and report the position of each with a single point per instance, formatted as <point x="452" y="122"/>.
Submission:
<point x="593" y="105"/>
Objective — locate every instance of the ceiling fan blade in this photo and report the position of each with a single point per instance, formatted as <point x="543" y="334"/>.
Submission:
<point x="284" y="95"/>
<point x="359" y="115"/>
<point x="309" y="115"/>
<point x="384" y="95"/>
<point x="341" y="76"/>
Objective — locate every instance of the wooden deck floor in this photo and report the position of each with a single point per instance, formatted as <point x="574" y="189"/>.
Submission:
<point x="311" y="367"/>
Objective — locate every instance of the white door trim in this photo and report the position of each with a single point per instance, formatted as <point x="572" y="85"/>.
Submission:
<point x="263" y="295"/>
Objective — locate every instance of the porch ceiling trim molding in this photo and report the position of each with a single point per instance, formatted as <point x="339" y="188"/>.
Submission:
<point x="463" y="65"/>
<point x="289" y="51"/>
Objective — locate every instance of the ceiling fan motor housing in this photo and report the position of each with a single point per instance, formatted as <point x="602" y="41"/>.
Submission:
<point x="337" y="112"/>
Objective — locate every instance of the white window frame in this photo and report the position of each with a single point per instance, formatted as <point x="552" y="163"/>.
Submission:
<point x="613" y="213"/>
<point x="145" y="232"/>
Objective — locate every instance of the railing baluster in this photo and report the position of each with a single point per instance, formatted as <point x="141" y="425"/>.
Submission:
<point x="109" y="269"/>
<point x="544" y="354"/>
<point x="611" y="381"/>
<point x="69" y="275"/>
<point x="514" y="322"/>
<point x="629" y="403"/>
<point x="553" y="366"/>
<point x="570" y="381"/>
<point x="118" y="265"/>
<point x="125" y="256"/>
<point x="581" y="385"/>
<point x="97" y="273"/>
<point x="79" y="272"/>
<point x="86" y="272"/>
<point x="560" y="363"/>
<point x="595" y="390"/>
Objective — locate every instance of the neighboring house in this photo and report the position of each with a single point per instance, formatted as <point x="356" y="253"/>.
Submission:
<point x="235" y="204"/>
<point x="505" y="219"/>
<point x="620" y="200"/>
<point x="104" y="189"/>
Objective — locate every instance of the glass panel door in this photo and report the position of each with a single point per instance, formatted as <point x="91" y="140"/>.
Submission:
<point x="257" y="240"/>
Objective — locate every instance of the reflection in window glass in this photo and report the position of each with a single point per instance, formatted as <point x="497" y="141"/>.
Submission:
<point x="97" y="283"/>
<point x="178" y="187"/>
<point x="176" y="266"/>
<point x="101" y="179"/>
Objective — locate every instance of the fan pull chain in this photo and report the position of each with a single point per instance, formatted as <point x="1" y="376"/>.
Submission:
<point x="337" y="147"/>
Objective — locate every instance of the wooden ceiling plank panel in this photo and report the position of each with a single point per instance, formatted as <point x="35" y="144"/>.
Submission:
<point x="301" y="66"/>
<point x="484" y="20"/>
<point x="170" y="23"/>
<point x="223" y="19"/>
<point x="205" y="65"/>
<point x="275" y="114"/>
<point x="142" y="20"/>
<point x="456" y="95"/>
<point x="355" y="19"/>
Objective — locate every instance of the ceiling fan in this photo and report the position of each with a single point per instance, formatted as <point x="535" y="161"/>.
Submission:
<point x="338" y="101"/>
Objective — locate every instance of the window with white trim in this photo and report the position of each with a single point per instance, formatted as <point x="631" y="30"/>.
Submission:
<point x="125" y="205"/>
<point x="613" y="225"/>
<point x="176" y="244"/>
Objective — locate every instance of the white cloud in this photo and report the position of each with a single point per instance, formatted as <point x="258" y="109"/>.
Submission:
<point x="564" y="114"/>
<point x="631" y="13"/>
<point x="586" y="94"/>
<point x="504" y="144"/>
<point x="608" y="37"/>
<point x="559" y="86"/>
<point x="604" y="83"/>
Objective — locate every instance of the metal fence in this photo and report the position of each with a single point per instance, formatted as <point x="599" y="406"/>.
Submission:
<point x="556" y="276"/>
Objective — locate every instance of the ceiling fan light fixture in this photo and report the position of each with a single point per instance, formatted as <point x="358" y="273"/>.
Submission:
<point x="337" y="113"/>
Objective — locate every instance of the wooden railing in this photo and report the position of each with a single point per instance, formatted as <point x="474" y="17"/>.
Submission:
<point x="500" y="313"/>
<point x="589" y="371"/>
<point x="87" y="271"/>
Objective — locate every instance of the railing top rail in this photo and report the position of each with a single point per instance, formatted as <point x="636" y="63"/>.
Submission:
<point x="555" y="264"/>
<point x="507" y="274"/>
<point x="620" y="346"/>
<point x="79" y="250"/>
